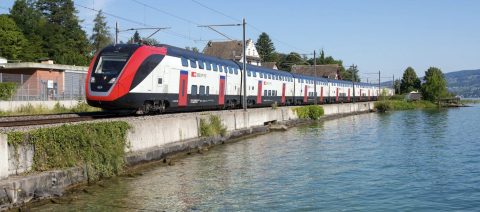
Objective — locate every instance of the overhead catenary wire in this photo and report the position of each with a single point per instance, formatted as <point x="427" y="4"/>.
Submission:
<point x="169" y="32"/>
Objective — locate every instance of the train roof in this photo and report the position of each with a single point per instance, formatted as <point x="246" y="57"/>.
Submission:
<point x="179" y="52"/>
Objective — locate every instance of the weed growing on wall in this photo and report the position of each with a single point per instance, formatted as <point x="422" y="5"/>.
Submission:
<point x="212" y="127"/>
<point x="7" y="89"/>
<point x="99" y="147"/>
<point x="313" y="112"/>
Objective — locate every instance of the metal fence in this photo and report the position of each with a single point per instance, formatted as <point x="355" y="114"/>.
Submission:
<point x="30" y="87"/>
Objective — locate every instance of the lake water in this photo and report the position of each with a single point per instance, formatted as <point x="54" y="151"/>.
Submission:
<point x="408" y="161"/>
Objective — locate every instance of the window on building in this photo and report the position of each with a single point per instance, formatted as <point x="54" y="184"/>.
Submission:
<point x="159" y="81"/>
<point x="193" y="90"/>
<point x="193" y="63"/>
<point x="202" y="90"/>
<point x="184" y="62"/>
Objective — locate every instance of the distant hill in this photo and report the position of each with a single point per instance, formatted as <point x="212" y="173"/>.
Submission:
<point x="464" y="83"/>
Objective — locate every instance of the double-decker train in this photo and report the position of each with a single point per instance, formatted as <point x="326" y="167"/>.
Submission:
<point x="161" y="78"/>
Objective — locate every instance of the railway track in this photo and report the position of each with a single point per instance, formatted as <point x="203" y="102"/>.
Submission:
<point x="52" y="119"/>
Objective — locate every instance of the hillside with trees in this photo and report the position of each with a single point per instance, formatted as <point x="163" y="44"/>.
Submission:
<point x="464" y="83"/>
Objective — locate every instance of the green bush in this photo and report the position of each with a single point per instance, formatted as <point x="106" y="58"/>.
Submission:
<point x="99" y="147"/>
<point x="7" y="90"/>
<point x="387" y="105"/>
<point x="383" y="106"/>
<point x="313" y="112"/>
<point x="212" y="127"/>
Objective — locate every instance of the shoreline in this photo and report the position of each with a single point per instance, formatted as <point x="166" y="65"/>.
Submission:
<point x="70" y="179"/>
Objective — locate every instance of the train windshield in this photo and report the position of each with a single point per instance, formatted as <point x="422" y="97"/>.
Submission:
<point x="111" y="65"/>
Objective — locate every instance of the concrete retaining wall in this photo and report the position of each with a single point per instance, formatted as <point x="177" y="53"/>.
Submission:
<point x="14" y="105"/>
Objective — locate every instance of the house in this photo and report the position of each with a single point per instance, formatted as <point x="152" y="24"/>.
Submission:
<point x="413" y="96"/>
<point x="330" y="71"/>
<point x="45" y="80"/>
<point x="270" y="65"/>
<point x="233" y="50"/>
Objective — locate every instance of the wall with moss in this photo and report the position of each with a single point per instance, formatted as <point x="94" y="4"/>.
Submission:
<point x="98" y="147"/>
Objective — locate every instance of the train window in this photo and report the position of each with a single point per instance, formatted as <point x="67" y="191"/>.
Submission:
<point x="261" y="75"/>
<point x="159" y="81"/>
<point x="208" y="65"/>
<point x="201" y="65"/>
<point x="269" y="92"/>
<point x="194" y="90"/>
<point x="215" y="67"/>
<point x="230" y="70"/>
<point x="255" y="74"/>
<point x="184" y="62"/>
<point x="249" y="73"/>
<point x="202" y="90"/>
<point x="193" y="63"/>
<point x="208" y="90"/>
<point x="269" y="76"/>
<point x="264" y="92"/>
<point x="236" y="71"/>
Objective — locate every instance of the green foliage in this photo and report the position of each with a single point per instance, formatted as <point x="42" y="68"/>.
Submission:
<point x="135" y="39"/>
<point x="265" y="48"/>
<point x="12" y="40"/>
<point x="7" y="90"/>
<point x="101" y="36"/>
<point x="351" y="74"/>
<point x="410" y="81"/>
<point x="100" y="147"/>
<point x="435" y="86"/>
<point x="389" y="105"/>
<point x="212" y="127"/>
<point x="285" y="62"/>
<point x="313" y="112"/>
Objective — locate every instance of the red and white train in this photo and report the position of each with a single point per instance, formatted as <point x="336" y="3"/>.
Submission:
<point x="159" y="78"/>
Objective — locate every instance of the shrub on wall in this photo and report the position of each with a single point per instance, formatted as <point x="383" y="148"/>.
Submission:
<point x="313" y="112"/>
<point x="7" y="89"/>
<point x="99" y="147"/>
<point x="212" y="127"/>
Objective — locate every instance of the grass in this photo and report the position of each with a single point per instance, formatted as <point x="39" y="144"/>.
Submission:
<point x="212" y="127"/>
<point x="30" y="109"/>
<point x="470" y="101"/>
<point x="389" y="105"/>
<point x="313" y="112"/>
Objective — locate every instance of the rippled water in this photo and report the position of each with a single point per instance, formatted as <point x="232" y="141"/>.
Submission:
<point x="412" y="160"/>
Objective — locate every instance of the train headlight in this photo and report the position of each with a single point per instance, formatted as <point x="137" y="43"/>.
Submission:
<point x="112" y="80"/>
<point x="92" y="80"/>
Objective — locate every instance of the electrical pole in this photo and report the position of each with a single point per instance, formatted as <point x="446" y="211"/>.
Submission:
<point x="116" y="32"/>
<point x="393" y="84"/>
<point x="315" y="72"/>
<point x="353" y="81"/>
<point x="244" y="69"/>
<point x="378" y="94"/>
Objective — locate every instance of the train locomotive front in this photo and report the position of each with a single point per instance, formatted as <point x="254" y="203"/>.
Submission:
<point x="117" y="70"/>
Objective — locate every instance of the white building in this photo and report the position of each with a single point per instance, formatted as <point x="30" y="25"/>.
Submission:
<point x="232" y="50"/>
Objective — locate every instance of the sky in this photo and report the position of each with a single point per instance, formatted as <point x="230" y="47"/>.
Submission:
<point x="375" y="35"/>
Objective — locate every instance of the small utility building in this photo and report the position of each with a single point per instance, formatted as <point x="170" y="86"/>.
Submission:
<point x="45" y="80"/>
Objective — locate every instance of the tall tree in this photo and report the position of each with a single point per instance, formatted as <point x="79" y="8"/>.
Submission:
<point x="351" y="74"/>
<point x="265" y="48"/>
<point x="101" y="36"/>
<point x="64" y="39"/>
<point x="12" y="41"/>
<point x="135" y="39"/>
<point x="410" y="81"/>
<point x="31" y="23"/>
<point x="435" y="85"/>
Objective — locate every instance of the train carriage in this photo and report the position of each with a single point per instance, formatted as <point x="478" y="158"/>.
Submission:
<point x="157" y="78"/>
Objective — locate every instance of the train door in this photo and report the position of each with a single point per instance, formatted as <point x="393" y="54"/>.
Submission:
<point x="183" y="89"/>
<point x="321" y="95"/>
<point x="348" y="97"/>
<point x="305" y="94"/>
<point x="336" y="97"/>
<point x="259" y="92"/>
<point x="283" y="93"/>
<point x="221" y="91"/>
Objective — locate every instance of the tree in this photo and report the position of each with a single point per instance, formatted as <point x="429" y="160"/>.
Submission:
<point x="12" y="40"/>
<point x="135" y="39"/>
<point x="396" y="86"/>
<point x="286" y="62"/>
<point x="265" y="48"/>
<point x="30" y="22"/>
<point x="435" y="85"/>
<point x="101" y="36"/>
<point x="410" y="81"/>
<point x="351" y="74"/>
<point x="64" y="39"/>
